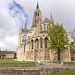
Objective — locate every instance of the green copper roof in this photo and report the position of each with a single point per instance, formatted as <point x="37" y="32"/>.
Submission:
<point x="37" y="10"/>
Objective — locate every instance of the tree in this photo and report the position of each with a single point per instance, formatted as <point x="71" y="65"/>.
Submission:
<point x="2" y="55"/>
<point x="58" y="39"/>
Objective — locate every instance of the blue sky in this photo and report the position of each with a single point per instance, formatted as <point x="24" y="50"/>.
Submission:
<point x="13" y="13"/>
<point x="18" y="12"/>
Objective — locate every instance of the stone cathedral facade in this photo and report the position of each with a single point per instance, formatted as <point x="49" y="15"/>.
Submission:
<point x="31" y="46"/>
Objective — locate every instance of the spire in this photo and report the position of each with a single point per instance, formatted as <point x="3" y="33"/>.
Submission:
<point x="51" y="19"/>
<point x="51" y="16"/>
<point x="21" y="26"/>
<point x="37" y="5"/>
<point x="25" y="27"/>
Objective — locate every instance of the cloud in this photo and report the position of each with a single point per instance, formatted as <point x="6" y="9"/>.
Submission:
<point x="17" y="11"/>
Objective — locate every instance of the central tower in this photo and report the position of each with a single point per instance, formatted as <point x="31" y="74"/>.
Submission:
<point x="37" y="18"/>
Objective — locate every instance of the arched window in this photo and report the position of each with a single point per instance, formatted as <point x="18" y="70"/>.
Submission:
<point x="41" y="28"/>
<point x="32" y="44"/>
<point x="44" y="27"/>
<point x="37" y="44"/>
<point x="24" y="48"/>
<point x="46" y="41"/>
<point x="38" y="14"/>
<point x="41" y="41"/>
<point x="29" y="45"/>
<point x="47" y="27"/>
<point x="35" y="20"/>
<point x="24" y="38"/>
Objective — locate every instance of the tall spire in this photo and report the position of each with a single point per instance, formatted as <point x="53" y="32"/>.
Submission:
<point x="25" y="27"/>
<point x="51" y="16"/>
<point x="51" y="19"/>
<point x="37" y="5"/>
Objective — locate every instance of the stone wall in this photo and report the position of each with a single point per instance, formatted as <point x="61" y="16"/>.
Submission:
<point x="42" y="71"/>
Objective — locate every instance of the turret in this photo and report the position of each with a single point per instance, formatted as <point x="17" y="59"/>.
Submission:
<point x="25" y="27"/>
<point x="21" y="28"/>
<point x="51" y="19"/>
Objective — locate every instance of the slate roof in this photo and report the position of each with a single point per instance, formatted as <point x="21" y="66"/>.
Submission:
<point x="7" y="52"/>
<point x="25" y="30"/>
<point x="46" y="20"/>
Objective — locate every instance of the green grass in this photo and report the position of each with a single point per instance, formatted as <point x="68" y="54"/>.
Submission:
<point x="69" y="63"/>
<point x="14" y="63"/>
<point x="69" y="72"/>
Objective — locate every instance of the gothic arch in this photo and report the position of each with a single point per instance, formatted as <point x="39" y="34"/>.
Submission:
<point x="46" y="44"/>
<point x="41" y="42"/>
<point x="37" y="43"/>
<point x="32" y="44"/>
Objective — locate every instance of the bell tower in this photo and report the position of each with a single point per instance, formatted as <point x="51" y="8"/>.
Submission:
<point x="37" y="18"/>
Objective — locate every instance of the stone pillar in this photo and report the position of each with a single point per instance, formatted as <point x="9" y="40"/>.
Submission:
<point x="69" y="55"/>
<point x="30" y="45"/>
<point x="34" y="57"/>
<point x="43" y="43"/>
<point x="43" y="49"/>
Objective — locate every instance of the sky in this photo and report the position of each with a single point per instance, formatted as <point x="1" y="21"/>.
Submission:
<point x="13" y="13"/>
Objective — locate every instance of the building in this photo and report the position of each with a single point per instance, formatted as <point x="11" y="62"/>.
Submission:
<point x="8" y="54"/>
<point x="31" y="46"/>
<point x="72" y="50"/>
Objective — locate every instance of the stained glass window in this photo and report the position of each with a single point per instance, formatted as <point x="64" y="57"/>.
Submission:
<point x="24" y="38"/>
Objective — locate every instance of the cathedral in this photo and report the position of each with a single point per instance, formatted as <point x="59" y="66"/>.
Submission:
<point x="31" y="42"/>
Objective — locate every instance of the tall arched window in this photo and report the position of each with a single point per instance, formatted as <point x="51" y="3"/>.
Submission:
<point x="38" y="14"/>
<point x="41" y="41"/>
<point x="32" y="44"/>
<point x="24" y="48"/>
<point x="24" y="38"/>
<point x="37" y="44"/>
<point x="29" y="45"/>
<point x="46" y="41"/>
<point x="44" y="27"/>
<point x="41" y="28"/>
<point x="47" y="27"/>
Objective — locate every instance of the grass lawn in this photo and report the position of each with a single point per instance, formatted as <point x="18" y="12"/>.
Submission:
<point x="69" y="72"/>
<point x="14" y="63"/>
<point x="69" y="63"/>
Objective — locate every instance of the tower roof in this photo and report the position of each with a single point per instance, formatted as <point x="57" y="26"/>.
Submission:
<point x="37" y="8"/>
<point x="51" y="19"/>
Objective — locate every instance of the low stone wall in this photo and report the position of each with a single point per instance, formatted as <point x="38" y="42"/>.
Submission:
<point x="42" y="71"/>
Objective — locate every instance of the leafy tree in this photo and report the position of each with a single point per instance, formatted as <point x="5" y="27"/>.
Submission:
<point x="2" y="54"/>
<point x="58" y="39"/>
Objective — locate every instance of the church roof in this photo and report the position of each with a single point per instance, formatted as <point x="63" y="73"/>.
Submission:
<point x="25" y="27"/>
<point x="25" y="30"/>
<point x="46" y="20"/>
